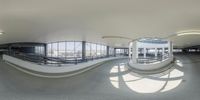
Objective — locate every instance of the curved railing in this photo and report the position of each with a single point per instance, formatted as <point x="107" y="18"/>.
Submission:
<point x="51" y="61"/>
<point x="53" y="72"/>
<point x="151" y="66"/>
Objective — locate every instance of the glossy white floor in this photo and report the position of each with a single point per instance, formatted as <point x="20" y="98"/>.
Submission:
<point x="110" y="81"/>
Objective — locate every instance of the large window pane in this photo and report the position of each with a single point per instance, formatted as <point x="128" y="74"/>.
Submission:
<point x="93" y="50"/>
<point x="120" y="52"/>
<point x="98" y="50"/>
<point x="111" y="51"/>
<point x="73" y="50"/>
<point x="61" y="50"/>
<point x="78" y="50"/>
<point x="88" y="50"/>
<point x="55" y="50"/>
<point x="70" y="50"/>
<point x="39" y="50"/>
<point x="49" y="50"/>
<point x="126" y="51"/>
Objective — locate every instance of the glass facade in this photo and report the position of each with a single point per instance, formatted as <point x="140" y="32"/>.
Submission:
<point x="121" y="51"/>
<point x="78" y="50"/>
<point x="111" y="51"/>
<point x="39" y="50"/>
<point x="65" y="50"/>
<point x="72" y="50"/>
<point x="88" y="50"/>
<point x="177" y="50"/>
<point x="49" y="50"/>
<point x="61" y="50"/>
<point x="54" y="48"/>
<point x="95" y="50"/>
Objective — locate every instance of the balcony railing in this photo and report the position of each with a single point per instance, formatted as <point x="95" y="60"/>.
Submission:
<point x="51" y="61"/>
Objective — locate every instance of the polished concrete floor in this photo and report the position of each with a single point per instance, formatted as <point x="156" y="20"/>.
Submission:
<point x="110" y="81"/>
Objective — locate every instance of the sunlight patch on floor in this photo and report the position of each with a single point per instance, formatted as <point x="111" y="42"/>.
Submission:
<point x="144" y="84"/>
<point x="115" y="81"/>
<point x="179" y="63"/>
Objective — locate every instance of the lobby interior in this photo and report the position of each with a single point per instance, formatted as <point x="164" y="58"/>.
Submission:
<point x="99" y="50"/>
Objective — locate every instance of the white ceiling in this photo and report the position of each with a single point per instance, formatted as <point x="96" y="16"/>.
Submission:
<point x="58" y="20"/>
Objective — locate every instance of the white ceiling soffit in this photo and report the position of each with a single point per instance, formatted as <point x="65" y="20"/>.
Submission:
<point x="90" y="20"/>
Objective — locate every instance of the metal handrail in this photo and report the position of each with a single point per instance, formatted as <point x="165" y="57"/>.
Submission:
<point x="41" y="59"/>
<point x="150" y="59"/>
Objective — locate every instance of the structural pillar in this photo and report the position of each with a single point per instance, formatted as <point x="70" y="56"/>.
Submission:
<point x="145" y="53"/>
<point x="170" y="49"/>
<point x="134" y="55"/>
<point x="45" y="50"/>
<point x="156" y="52"/>
<point x="130" y="50"/>
<point x="83" y="50"/>
<point x="107" y="51"/>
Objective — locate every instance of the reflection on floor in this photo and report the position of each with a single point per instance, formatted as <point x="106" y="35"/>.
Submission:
<point x="146" y="84"/>
<point x="110" y="81"/>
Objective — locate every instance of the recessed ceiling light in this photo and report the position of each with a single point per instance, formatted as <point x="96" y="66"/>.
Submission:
<point x="188" y="32"/>
<point x="1" y="33"/>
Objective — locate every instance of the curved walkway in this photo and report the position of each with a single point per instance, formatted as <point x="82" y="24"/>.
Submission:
<point x="54" y="72"/>
<point x="96" y="84"/>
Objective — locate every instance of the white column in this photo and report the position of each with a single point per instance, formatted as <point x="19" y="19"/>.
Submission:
<point x="136" y="47"/>
<point x="170" y="49"/>
<point x="145" y="53"/>
<point x="134" y="52"/>
<point x="130" y="48"/>
<point x="156" y="52"/>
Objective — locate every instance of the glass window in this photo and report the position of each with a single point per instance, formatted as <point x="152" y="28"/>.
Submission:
<point x="61" y="50"/>
<point x="192" y="50"/>
<point x="78" y="50"/>
<point x="111" y="51"/>
<point x="39" y="50"/>
<point x="73" y="50"/>
<point x="104" y="51"/>
<point x="88" y="49"/>
<point x="120" y="52"/>
<point x="55" y="50"/>
<point x="98" y="50"/>
<point x="177" y="50"/>
<point x="70" y="50"/>
<point x="93" y="50"/>
<point x="49" y="50"/>
<point x="126" y="51"/>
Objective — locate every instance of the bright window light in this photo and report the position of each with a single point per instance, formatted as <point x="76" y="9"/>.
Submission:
<point x="189" y="32"/>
